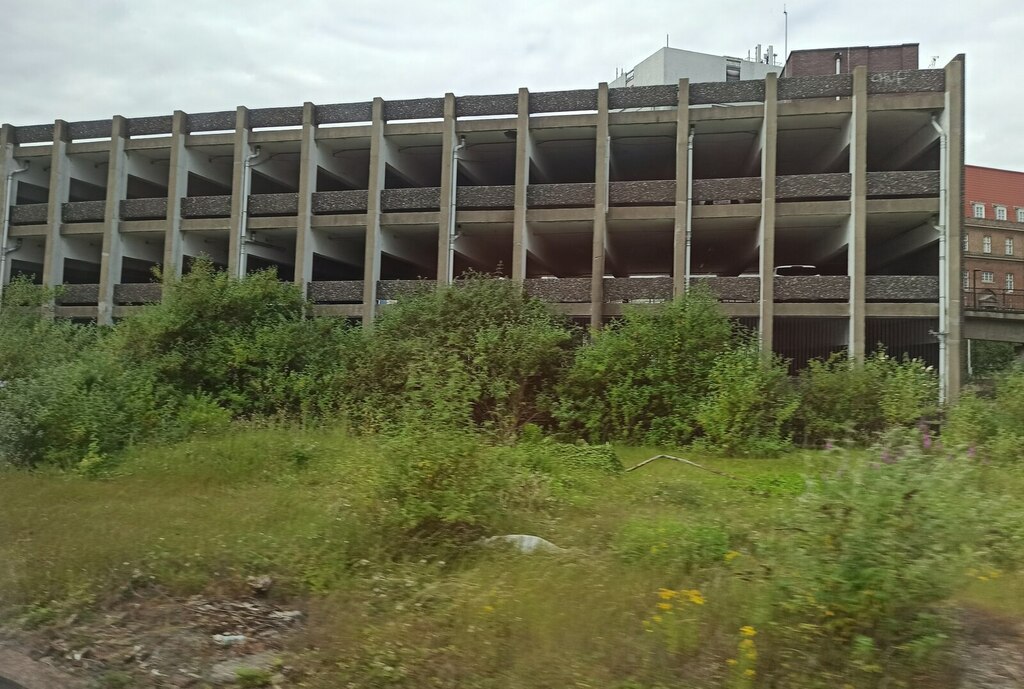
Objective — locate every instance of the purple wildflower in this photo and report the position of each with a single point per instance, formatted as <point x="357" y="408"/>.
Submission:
<point x="926" y="442"/>
<point x="828" y="445"/>
<point x="887" y="458"/>
<point x="971" y="451"/>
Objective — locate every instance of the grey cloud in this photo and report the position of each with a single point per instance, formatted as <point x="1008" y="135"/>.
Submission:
<point x="85" y="60"/>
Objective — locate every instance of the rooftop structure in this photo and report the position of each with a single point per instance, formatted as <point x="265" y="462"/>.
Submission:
<point x="591" y="198"/>
<point x="669" y="65"/>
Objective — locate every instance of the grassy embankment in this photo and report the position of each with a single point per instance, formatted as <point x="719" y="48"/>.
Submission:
<point x="303" y="507"/>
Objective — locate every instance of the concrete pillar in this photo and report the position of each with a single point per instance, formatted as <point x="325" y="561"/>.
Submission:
<point x="856" y="224"/>
<point x="952" y="121"/>
<point x="60" y="184"/>
<point x="110" y="258"/>
<point x="309" y="159"/>
<point x="449" y="186"/>
<point x="177" y="189"/>
<point x="378" y="167"/>
<point x="681" y="228"/>
<point x="241" y="171"/>
<point x="519" y="229"/>
<point x="600" y="230"/>
<point x="766" y="230"/>
<point x="8" y="192"/>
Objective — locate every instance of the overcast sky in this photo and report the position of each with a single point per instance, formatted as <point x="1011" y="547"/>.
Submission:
<point x="89" y="59"/>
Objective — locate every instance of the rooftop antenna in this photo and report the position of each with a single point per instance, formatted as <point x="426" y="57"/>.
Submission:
<point x="935" y="61"/>
<point x="666" y="40"/>
<point x="785" y="49"/>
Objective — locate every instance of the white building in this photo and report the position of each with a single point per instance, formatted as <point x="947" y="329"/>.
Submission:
<point x="669" y="65"/>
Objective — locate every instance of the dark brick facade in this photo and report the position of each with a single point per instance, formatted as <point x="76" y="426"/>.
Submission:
<point x="884" y="58"/>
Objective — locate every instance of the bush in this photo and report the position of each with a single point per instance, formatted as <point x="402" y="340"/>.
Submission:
<point x="839" y="401"/>
<point x="992" y="427"/>
<point x="480" y="348"/>
<point x="881" y="544"/>
<point x="749" y="403"/>
<point x="447" y="486"/>
<point x="642" y="380"/>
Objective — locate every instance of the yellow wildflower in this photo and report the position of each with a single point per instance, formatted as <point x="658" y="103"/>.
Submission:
<point x="730" y="661"/>
<point x="749" y="673"/>
<point x="667" y="594"/>
<point x="694" y="596"/>
<point x="731" y="555"/>
<point x="747" y="643"/>
<point x="748" y="631"/>
<point x="664" y="606"/>
<point x="657" y="618"/>
<point x="488" y="608"/>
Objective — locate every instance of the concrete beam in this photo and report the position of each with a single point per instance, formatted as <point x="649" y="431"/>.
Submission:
<point x="404" y="249"/>
<point x="110" y="258"/>
<point x="60" y="182"/>
<point x="520" y="232"/>
<point x="142" y="248"/>
<point x="257" y="245"/>
<point x="198" y="245"/>
<point x="308" y="159"/>
<point x="540" y="251"/>
<point x="766" y="226"/>
<point x="414" y="170"/>
<point x="828" y="157"/>
<point x="275" y="169"/>
<point x="910" y="241"/>
<point x="371" y="261"/>
<point x="600" y="244"/>
<point x="449" y="186"/>
<point x="147" y="169"/>
<point x="856" y="227"/>
<point x="483" y="254"/>
<point x="911" y="148"/>
<point x="984" y="327"/>
<point x="88" y="171"/>
<point x="240" y="176"/>
<point x="336" y="249"/>
<point x="952" y="121"/>
<point x="830" y="244"/>
<point x="680" y="228"/>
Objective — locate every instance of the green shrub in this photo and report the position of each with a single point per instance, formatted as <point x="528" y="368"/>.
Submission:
<point x="881" y="544"/>
<point x="478" y="354"/>
<point x="446" y="485"/>
<point x="642" y="380"/>
<point x="994" y="428"/>
<point x="749" y="403"/>
<point x="840" y="401"/>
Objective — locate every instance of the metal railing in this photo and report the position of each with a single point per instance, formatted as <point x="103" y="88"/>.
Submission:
<point x="991" y="299"/>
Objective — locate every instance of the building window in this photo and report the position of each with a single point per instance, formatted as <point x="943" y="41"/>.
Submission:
<point x="967" y="244"/>
<point x="979" y="210"/>
<point x="1020" y="215"/>
<point x="986" y="244"/>
<point x="1009" y="282"/>
<point x="1000" y="212"/>
<point x="1009" y="246"/>
<point x="988" y="276"/>
<point x="967" y="279"/>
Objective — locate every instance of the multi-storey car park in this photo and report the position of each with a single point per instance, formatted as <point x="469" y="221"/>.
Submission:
<point x="592" y="198"/>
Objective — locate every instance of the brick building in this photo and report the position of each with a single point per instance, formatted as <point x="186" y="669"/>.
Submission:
<point x="882" y="58"/>
<point x="993" y="239"/>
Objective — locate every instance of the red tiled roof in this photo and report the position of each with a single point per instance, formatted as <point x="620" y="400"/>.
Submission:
<point x="992" y="186"/>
